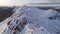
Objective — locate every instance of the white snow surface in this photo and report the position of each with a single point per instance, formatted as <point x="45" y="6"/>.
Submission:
<point x="34" y="21"/>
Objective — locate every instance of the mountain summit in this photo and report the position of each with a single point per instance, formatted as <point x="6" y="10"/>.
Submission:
<point x="32" y="20"/>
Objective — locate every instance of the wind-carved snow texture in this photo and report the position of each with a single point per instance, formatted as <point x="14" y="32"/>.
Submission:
<point x="17" y="23"/>
<point x="31" y="20"/>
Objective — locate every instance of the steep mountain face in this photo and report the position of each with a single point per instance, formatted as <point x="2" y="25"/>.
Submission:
<point x="31" y="20"/>
<point x="17" y="23"/>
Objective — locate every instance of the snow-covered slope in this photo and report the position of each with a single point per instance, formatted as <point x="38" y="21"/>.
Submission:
<point x="31" y="20"/>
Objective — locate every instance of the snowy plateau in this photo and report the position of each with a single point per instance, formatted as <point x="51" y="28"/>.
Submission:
<point x="31" y="20"/>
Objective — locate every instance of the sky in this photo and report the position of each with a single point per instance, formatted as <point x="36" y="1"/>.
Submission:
<point x="12" y="2"/>
<point x="21" y="2"/>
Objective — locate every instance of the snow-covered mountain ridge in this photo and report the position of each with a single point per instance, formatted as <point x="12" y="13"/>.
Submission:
<point x="31" y="20"/>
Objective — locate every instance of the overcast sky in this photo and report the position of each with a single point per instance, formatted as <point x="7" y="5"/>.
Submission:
<point x="12" y="2"/>
<point x="20" y="2"/>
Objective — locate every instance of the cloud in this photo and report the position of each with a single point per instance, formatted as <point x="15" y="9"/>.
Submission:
<point x="21" y="2"/>
<point x="11" y="2"/>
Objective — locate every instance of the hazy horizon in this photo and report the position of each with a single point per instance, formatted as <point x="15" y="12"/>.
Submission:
<point x="22" y="2"/>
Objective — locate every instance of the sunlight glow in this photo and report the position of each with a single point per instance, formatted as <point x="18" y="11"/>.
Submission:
<point x="10" y="2"/>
